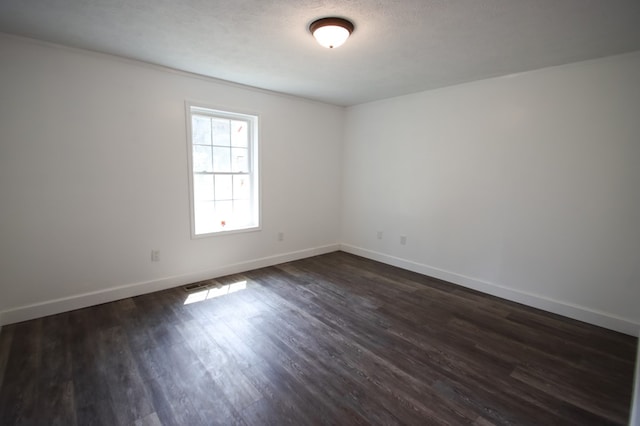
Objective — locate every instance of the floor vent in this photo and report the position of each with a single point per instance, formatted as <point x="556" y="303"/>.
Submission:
<point x="195" y="286"/>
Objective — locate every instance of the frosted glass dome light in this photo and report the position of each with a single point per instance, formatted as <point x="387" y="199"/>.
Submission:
<point x="331" y="32"/>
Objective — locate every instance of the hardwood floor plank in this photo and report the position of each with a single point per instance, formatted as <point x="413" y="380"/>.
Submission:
<point x="59" y="403"/>
<point x="340" y="370"/>
<point x="21" y="377"/>
<point x="357" y="354"/>
<point x="6" y="338"/>
<point x="280" y="395"/>
<point x="92" y="401"/>
<point x="128" y="394"/>
<point x="327" y="388"/>
<point x="590" y="399"/>
<point x="232" y="382"/>
<point x="172" y="404"/>
<point x="150" y="420"/>
<point x="559" y="358"/>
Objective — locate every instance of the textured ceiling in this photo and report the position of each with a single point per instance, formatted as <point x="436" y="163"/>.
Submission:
<point x="398" y="46"/>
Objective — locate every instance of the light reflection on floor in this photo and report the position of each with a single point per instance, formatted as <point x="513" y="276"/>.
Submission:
<point x="211" y="293"/>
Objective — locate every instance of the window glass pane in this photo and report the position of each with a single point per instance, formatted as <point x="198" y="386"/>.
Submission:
<point x="221" y="131"/>
<point x="221" y="159"/>
<point x="201" y="128"/>
<point x="239" y="133"/>
<point x="241" y="187"/>
<point x="204" y="217"/>
<point x="224" y="212"/>
<point x="224" y="190"/>
<point x="203" y="187"/>
<point x="240" y="159"/>
<point x="202" y="159"/>
<point x="242" y="211"/>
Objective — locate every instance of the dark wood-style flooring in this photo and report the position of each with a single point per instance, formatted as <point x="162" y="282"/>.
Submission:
<point x="333" y="339"/>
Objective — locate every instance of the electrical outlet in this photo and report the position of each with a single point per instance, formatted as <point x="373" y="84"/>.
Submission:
<point x="155" y="255"/>
<point x="280" y="236"/>
<point x="403" y="239"/>
<point x="379" y="235"/>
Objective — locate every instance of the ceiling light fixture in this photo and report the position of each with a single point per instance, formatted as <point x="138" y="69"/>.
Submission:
<point x="331" y="32"/>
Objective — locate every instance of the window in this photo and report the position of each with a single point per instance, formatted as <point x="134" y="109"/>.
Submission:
<point x="223" y="154"/>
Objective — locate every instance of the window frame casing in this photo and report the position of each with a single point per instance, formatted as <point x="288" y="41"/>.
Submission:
<point x="201" y="108"/>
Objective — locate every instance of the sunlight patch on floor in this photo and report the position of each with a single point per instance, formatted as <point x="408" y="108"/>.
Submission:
<point x="211" y="293"/>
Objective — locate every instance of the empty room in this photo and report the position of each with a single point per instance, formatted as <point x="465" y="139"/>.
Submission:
<point x="272" y="212"/>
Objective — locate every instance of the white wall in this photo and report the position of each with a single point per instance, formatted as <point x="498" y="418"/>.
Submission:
<point x="93" y="175"/>
<point x="526" y="186"/>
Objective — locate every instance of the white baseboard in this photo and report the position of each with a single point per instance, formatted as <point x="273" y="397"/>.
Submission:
<point x="52" y="307"/>
<point x="581" y="313"/>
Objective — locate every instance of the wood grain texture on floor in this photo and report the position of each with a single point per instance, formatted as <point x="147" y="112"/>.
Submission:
<point x="333" y="339"/>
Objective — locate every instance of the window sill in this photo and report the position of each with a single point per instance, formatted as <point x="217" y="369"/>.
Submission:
<point x="195" y="236"/>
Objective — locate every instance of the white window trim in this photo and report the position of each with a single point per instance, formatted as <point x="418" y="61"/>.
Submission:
<point x="255" y="159"/>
